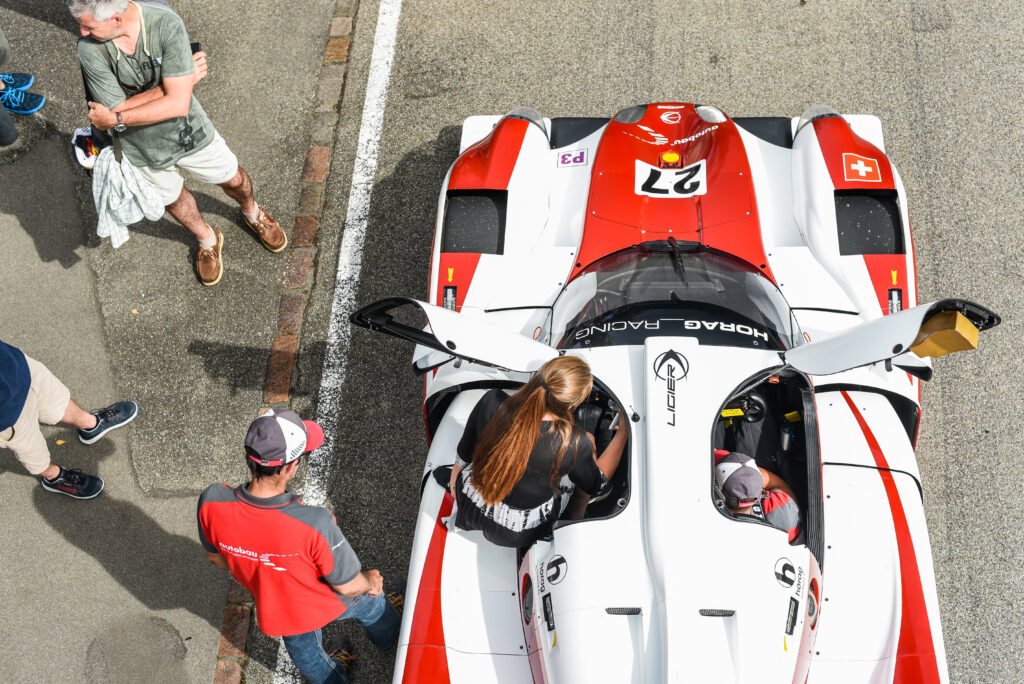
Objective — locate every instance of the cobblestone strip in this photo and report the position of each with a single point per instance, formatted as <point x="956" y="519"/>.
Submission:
<point x="296" y="280"/>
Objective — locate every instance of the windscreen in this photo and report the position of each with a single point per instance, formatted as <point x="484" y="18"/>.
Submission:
<point x="660" y="289"/>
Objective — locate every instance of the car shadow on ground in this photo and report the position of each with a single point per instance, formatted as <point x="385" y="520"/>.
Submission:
<point x="371" y="458"/>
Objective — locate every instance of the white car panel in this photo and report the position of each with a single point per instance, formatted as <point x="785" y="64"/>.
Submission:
<point x="481" y="340"/>
<point x="870" y="342"/>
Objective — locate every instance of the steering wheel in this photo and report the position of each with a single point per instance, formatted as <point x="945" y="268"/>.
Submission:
<point x="750" y="408"/>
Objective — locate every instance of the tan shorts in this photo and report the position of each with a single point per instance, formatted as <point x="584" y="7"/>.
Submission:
<point x="47" y="401"/>
<point x="215" y="164"/>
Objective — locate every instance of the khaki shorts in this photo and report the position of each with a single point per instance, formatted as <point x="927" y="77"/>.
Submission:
<point x="47" y="401"/>
<point x="214" y="164"/>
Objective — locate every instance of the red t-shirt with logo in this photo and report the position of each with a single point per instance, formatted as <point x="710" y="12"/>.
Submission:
<point x="284" y="552"/>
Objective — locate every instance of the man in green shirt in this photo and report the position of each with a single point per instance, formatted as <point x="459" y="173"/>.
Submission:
<point x="139" y="69"/>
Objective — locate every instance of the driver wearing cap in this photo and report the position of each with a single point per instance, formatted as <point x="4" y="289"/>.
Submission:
<point x="293" y="558"/>
<point x="754" y="491"/>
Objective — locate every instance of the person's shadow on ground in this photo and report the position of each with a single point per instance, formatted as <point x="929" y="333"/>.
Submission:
<point x="55" y="13"/>
<point x="160" y="569"/>
<point x="50" y="196"/>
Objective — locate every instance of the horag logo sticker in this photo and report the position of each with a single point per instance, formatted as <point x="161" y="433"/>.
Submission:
<point x="556" y="570"/>
<point x="785" y="572"/>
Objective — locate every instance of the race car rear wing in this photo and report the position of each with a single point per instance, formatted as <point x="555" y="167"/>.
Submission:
<point x="904" y="337"/>
<point x="932" y="329"/>
<point x="456" y="334"/>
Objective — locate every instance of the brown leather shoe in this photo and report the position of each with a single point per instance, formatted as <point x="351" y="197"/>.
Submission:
<point x="208" y="263"/>
<point x="268" y="230"/>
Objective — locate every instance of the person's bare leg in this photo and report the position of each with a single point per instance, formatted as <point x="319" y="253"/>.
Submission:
<point x="239" y="189"/>
<point x="79" y="417"/>
<point x="186" y="212"/>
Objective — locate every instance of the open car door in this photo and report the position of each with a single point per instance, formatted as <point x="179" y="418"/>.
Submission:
<point x="905" y="337"/>
<point x="454" y="334"/>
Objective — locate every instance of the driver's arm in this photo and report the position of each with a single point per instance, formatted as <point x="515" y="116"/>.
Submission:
<point x="772" y="481"/>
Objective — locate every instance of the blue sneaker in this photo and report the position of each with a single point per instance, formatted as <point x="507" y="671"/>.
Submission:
<point x="21" y="102"/>
<point x="73" y="483"/>
<point x="110" y="418"/>
<point x="18" y="81"/>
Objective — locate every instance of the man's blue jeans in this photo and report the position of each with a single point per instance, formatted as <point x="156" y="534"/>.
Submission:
<point x="374" y="613"/>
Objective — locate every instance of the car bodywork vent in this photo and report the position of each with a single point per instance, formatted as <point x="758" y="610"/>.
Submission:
<point x="569" y="130"/>
<point x="774" y="129"/>
<point x="869" y="222"/>
<point x="474" y="221"/>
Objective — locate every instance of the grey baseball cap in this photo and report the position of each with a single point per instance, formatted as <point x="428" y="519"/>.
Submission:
<point x="279" y="437"/>
<point x="738" y="477"/>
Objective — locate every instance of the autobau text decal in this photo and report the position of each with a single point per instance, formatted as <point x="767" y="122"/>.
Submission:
<point x="687" y="324"/>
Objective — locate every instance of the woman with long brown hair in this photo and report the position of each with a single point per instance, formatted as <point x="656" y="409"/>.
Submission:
<point x="516" y="449"/>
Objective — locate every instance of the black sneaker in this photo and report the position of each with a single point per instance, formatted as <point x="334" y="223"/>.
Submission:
<point x="74" y="483"/>
<point x="110" y="418"/>
<point x="340" y="648"/>
<point x="395" y="593"/>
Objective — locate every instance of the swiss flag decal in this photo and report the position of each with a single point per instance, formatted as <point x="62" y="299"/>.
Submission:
<point x="858" y="168"/>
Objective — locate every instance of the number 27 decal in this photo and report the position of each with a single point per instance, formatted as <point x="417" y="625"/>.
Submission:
<point x="686" y="182"/>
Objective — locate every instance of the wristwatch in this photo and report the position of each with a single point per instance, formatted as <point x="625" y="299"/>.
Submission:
<point x="120" y="126"/>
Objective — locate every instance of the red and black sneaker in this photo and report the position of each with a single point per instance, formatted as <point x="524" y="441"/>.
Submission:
<point x="74" y="483"/>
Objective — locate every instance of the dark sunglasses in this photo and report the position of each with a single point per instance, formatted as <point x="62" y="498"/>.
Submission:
<point x="133" y="89"/>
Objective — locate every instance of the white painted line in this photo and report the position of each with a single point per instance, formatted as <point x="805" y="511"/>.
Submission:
<point x="346" y="281"/>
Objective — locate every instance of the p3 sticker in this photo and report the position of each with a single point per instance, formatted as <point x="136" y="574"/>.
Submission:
<point x="574" y="158"/>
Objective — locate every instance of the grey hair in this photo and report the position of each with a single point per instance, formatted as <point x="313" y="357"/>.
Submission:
<point x="101" y="10"/>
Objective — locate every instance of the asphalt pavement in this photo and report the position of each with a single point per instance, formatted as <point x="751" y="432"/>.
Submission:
<point x="943" y="77"/>
<point x="108" y="575"/>
<point x="118" y="589"/>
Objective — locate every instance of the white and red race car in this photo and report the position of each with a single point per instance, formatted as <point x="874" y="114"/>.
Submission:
<point x="738" y="284"/>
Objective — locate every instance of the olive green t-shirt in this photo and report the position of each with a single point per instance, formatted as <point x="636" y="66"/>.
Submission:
<point x="162" y="144"/>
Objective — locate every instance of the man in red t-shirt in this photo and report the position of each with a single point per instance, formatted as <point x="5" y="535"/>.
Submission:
<point x="301" y="570"/>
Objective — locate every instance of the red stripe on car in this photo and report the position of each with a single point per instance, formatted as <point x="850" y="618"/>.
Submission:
<point x="455" y="269"/>
<point x="426" y="660"/>
<point x="888" y="272"/>
<point x="915" y="652"/>
<point x="489" y="163"/>
<point x="853" y="163"/>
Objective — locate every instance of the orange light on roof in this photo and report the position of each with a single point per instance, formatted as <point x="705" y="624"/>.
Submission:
<point x="670" y="160"/>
